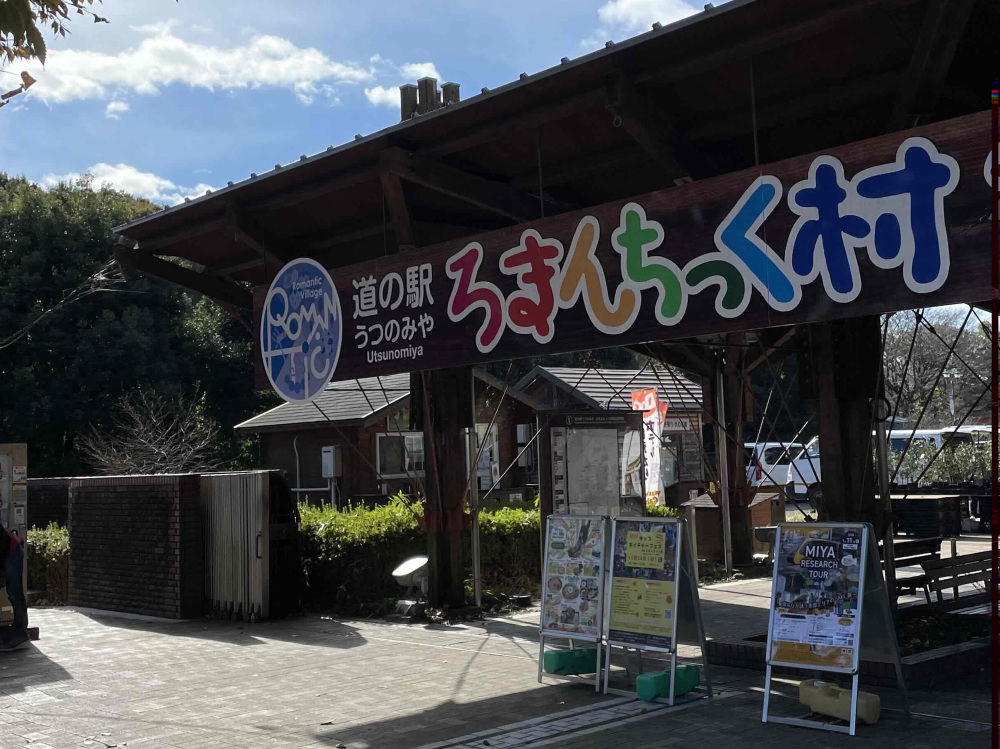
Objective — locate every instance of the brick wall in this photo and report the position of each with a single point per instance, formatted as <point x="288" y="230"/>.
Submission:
<point x="136" y="545"/>
<point x="48" y="502"/>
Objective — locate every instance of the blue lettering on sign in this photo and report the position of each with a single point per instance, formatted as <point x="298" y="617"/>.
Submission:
<point x="301" y="331"/>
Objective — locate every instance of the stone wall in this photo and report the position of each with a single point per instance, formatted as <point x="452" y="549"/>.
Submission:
<point x="136" y="545"/>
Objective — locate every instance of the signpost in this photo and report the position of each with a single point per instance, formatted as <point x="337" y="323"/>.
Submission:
<point x="596" y="460"/>
<point x="822" y="587"/>
<point x="653" y="597"/>
<point x="573" y="584"/>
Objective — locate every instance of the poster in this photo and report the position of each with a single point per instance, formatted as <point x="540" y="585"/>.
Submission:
<point x="653" y="414"/>
<point x="815" y="611"/>
<point x="573" y="576"/>
<point x="592" y="481"/>
<point x="643" y="600"/>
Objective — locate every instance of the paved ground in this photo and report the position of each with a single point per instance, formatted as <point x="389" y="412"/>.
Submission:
<point x="106" y="681"/>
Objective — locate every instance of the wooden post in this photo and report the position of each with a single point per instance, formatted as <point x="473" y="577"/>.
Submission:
<point x="847" y="355"/>
<point x="446" y="411"/>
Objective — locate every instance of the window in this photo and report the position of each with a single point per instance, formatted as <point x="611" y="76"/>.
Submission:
<point x="400" y="455"/>
<point x="776" y="456"/>
<point x="524" y="434"/>
<point x="488" y="470"/>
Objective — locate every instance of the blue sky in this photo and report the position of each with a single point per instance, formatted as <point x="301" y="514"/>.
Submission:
<point x="173" y="97"/>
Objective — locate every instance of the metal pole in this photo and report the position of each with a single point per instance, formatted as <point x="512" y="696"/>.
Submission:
<point x="723" y="453"/>
<point x="888" y="552"/>
<point x="995" y="510"/>
<point x="477" y="572"/>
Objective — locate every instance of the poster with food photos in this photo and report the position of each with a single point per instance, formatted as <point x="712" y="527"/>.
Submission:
<point x="573" y="578"/>
<point x="815" y="606"/>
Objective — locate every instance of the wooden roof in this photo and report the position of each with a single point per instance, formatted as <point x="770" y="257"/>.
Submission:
<point x="676" y="104"/>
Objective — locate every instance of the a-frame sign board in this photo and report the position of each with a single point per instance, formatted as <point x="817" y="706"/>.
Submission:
<point x="652" y="599"/>
<point x="829" y="609"/>
<point x="573" y="578"/>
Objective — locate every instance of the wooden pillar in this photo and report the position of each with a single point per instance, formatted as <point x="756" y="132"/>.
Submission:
<point x="846" y="356"/>
<point x="446" y="406"/>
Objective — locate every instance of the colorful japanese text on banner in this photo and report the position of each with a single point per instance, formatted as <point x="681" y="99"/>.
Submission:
<point x="815" y="619"/>
<point x="885" y="224"/>
<point x="653" y="414"/>
<point x="643" y="582"/>
<point x="573" y="575"/>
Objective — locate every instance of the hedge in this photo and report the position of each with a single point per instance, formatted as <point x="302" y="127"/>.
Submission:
<point x="48" y="561"/>
<point x="349" y="556"/>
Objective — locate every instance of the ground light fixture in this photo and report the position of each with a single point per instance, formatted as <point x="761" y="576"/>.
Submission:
<point x="412" y="575"/>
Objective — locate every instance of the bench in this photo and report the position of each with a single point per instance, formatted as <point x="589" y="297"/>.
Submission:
<point x="909" y="553"/>
<point x="954" y="572"/>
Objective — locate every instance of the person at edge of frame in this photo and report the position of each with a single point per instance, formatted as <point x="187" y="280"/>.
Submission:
<point x="12" y="577"/>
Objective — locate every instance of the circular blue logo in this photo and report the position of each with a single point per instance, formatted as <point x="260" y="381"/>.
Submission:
<point x="301" y="331"/>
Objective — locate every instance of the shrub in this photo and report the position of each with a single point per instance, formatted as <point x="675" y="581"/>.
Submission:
<point x="662" y="511"/>
<point x="510" y="550"/>
<point x="48" y="561"/>
<point x="348" y="557"/>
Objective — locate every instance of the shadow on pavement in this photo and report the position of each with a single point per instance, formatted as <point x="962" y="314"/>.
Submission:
<point x="309" y="630"/>
<point x="451" y="720"/>
<point x="25" y="669"/>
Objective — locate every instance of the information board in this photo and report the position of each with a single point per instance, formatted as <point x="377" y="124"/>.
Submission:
<point x="642" y="608"/>
<point x="816" y="596"/>
<point x="573" y="578"/>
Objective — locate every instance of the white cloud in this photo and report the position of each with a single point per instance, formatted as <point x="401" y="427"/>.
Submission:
<point x="381" y="96"/>
<point x="414" y="71"/>
<point x="129" y="179"/>
<point x="163" y="59"/>
<point x="621" y="19"/>
<point x="115" y="109"/>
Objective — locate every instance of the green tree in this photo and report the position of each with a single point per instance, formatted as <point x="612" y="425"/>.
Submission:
<point x="67" y="372"/>
<point x="22" y="23"/>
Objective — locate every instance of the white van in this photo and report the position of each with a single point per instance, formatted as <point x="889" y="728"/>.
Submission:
<point x="767" y="462"/>
<point x="802" y="476"/>
<point x="804" y="471"/>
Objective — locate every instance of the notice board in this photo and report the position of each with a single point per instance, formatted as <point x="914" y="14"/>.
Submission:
<point x="642" y="606"/>
<point x="816" y="599"/>
<point x="573" y="577"/>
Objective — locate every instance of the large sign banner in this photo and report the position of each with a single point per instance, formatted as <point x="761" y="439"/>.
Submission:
<point x="645" y="556"/>
<point x="573" y="576"/>
<point x="890" y="223"/>
<point x="816" y="597"/>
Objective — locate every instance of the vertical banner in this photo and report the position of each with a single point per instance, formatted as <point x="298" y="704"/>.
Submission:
<point x="816" y="598"/>
<point x="643" y="603"/>
<point x="653" y="415"/>
<point x="573" y="577"/>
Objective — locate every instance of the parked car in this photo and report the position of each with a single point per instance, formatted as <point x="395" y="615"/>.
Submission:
<point x="803" y="474"/>
<point x="767" y="462"/>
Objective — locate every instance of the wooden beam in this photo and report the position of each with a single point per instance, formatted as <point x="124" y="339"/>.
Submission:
<point x="533" y="118"/>
<point x="483" y="193"/>
<point x="942" y="28"/>
<point x="577" y="168"/>
<point x="788" y="111"/>
<point x="847" y="15"/>
<point x="399" y="213"/>
<point x="317" y="188"/>
<point x="236" y="266"/>
<point x="248" y="232"/>
<point x="185" y="233"/>
<point x="648" y="129"/>
<point x="768" y="350"/>
<point x="212" y="287"/>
